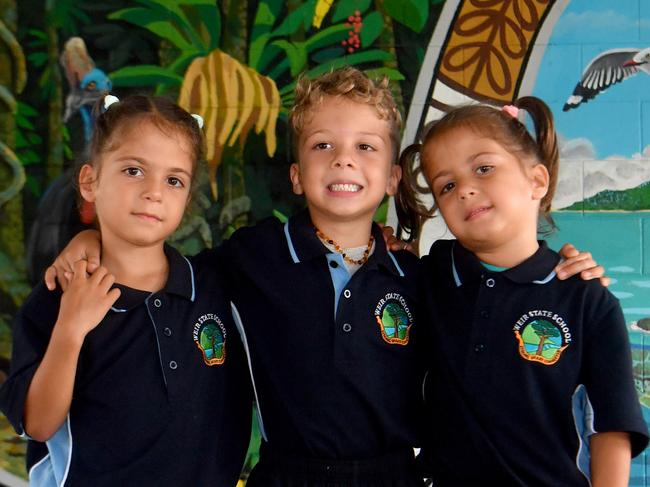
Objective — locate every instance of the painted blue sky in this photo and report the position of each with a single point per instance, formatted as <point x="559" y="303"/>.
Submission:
<point x="617" y="122"/>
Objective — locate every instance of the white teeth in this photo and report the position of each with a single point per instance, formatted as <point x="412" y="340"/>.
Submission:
<point x="345" y="187"/>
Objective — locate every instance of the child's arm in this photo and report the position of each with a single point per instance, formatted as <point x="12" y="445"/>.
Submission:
<point x="575" y="262"/>
<point x="83" y="306"/>
<point x="611" y="454"/>
<point x="85" y="246"/>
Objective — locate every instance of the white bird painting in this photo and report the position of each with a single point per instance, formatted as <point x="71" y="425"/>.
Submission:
<point x="607" y="69"/>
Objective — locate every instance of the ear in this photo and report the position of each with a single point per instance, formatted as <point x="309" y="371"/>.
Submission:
<point x="294" y="175"/>
<point x="393" y="179"/>
<point x="88" y="183"/>
<point x="540" y="180"/>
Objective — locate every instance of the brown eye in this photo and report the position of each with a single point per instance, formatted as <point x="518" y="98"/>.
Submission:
<point x="177" y="183"/>
<point x="133" y="171"/>
<point x="91" y="86"/>
<point x="447" y="188"/>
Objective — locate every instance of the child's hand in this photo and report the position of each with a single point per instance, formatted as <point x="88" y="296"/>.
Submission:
<point x="85" y="302"/>
<point x="86" y="246"/>
<point x="579" y="262"/>
<point x="392" y="242"/>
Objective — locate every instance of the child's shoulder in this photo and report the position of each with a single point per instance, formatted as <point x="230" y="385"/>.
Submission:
<point x="41" y="305"/>
<point x="261" y="233"/>
<point x="592" y="291"/>
<point x="439" y="253"/>
<point x="407" y="261"/>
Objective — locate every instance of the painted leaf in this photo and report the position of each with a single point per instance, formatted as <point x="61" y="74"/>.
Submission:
<point x="412" y="13"/>
<point x="265" y="17"/>
<point x="372" y="26"/>
<point x="327" y="54"/>
<point x="326" y="37"/>
<point x="296" y="54"/>
<point x="153" y="22"/>
<point x="300" y="17"/>
<point x="345" y="8"/>
<point x="144" y="75"/>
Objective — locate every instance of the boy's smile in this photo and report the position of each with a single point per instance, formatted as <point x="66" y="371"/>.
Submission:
<point x="345" y="167"/>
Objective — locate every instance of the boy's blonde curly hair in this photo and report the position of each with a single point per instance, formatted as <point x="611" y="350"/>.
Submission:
<point x="351" y="84"/>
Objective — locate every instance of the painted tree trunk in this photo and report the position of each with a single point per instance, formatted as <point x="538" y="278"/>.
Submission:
<point x="11" y="212"/>
<point x="55" y="103"/>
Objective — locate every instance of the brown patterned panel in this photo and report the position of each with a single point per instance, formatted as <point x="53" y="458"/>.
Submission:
<point x="488" y="45"/>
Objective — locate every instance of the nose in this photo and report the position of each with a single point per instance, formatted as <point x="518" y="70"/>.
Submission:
<point x="343" y="158"/>
<point x="153" y="191"/>
<point x="465" y="190"/>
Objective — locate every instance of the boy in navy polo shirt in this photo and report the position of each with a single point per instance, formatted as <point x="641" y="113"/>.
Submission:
<point x="141" y="382"/>
<point x="327" y="313"/>
<point x="531" y="379"/>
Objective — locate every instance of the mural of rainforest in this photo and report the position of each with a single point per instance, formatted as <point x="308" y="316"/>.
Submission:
<point x="235" y="62"/>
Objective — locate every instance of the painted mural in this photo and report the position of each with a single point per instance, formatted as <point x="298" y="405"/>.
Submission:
<point x="236" y="64"/>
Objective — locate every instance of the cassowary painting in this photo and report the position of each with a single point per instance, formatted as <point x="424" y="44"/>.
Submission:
<point x="59" y="217"/>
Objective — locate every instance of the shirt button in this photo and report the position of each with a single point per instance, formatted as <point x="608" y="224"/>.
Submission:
<point x="173" y="365"/>
<point x="347" y="293"/>
<point x="489" y="282"/>
<point x="333" y="264"/>
<point x="347" y="327"/>
<point x="167" y="331"/>
<point x="157" y="303"/>
<point x="479" y="347"/>
<point x="484" y="314"/>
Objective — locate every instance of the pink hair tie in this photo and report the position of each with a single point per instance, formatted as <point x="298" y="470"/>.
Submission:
<point x="511" y="110"/>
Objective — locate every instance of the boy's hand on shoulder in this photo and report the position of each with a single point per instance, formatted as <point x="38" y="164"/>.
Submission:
<point x="576" y="262"/>
<point x="86" y="301"/>
<point x="85" y="246"/>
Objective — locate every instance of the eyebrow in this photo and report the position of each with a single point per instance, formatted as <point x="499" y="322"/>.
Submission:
<point x="144" y="162"/>
<point x="328" y="133"/>
<point x="439" y="175"/>
<point x="472" y="158"/>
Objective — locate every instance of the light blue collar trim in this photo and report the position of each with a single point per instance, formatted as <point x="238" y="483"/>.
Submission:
<point x="292" y="250"/>
<point x="192" y="276"/>
<point x="399" y="269"/>
<point x="453" y="269"/>
<point x="242" y="333"/>
<point x="547" y="279"/>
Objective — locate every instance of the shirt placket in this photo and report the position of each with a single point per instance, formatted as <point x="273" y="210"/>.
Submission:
<point x="159" y="309"/>
<point x="479" y="347"/>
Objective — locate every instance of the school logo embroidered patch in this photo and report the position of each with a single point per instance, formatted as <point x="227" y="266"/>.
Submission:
<point x="210" y="337"/>
<point x="394" y="319"/>
<point x="542" y="336"/>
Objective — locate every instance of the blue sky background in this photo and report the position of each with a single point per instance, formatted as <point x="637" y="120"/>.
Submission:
<point x="617" y="122"/>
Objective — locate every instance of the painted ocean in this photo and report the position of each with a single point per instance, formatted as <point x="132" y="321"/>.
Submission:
<point x="620" y="242"/>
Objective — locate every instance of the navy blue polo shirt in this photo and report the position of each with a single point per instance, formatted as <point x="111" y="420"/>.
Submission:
<point x="523" y="367"/>
<point x="333" y="358"/>
<point x="161" y="394"/>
